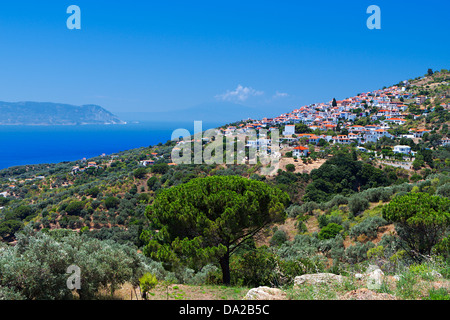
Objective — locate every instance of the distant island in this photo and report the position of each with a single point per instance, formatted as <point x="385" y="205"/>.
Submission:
<point x="47" y="113"/>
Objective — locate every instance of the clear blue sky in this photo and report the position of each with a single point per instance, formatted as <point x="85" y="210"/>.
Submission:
<point x="163" y="55"/>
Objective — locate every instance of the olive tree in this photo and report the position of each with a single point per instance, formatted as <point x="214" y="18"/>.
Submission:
<point x="36" y="268"/>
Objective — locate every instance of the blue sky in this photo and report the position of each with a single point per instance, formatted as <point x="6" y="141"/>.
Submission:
<point x="135" y="56"/>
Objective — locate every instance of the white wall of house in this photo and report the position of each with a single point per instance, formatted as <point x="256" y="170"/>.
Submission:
<point x="289" y="130"/>
<point x="402" y="149"/>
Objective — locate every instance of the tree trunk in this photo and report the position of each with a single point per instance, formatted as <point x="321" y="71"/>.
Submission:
<point x="225" y="265"/>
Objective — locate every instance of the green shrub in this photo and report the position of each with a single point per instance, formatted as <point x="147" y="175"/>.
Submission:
<point x="293" y="211"/>
<point x="42" y="260"/>
<point x="147" y="282"/>
<point x="336" y="201"/>
<point x="406" y="286"/>
<point x="74" y="208"/>
<point x="443" y="247"/>
<point x="444" y="190"/>
<point x="323" y="220"/>
<point x="278" y="238"/>
<point x="309" y="207"/>
<point x="160" y="168"/>
<point x="330" y="231"/>
<point x="358" y="252"/>
<point x="375" y="253"/>
<point x="438" y="294"/>
<point x="93" y="192"/>
<point x="153" y="183"/>
<point x="290" y="167"/>
<point x="368" y="227"/>
<point x="301" y="226"/>
<point x="140" y="173"/>
<point x="255" y="268"/>
<point x="111" y="202"/>
<point x="23" y="211"/>
<point x="357" y="204"/>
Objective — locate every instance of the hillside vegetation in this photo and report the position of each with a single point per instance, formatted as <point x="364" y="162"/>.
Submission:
<point x="167" y="231"/>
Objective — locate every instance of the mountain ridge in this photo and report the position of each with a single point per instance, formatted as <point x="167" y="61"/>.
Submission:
<point x="48" y="113"/>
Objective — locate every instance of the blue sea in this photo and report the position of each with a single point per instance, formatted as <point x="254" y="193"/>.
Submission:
<point x="22" y="145"/>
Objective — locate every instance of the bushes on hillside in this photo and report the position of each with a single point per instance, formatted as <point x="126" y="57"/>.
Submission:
<point x="368" y="227"/>
<point x="43" y="259"/>
<point x="254" y="268"/>
<point x="358" y="252"/>
<point x="330" y="231"/>
<point x="343" y="174"/>
<point x="357" y="204"/>
<point x="111" y="202"/>
<point x="444" y="190"/>
<point x="421" y="221"/>
<point x="278" y="238"/>
<point x="74" y="208"/>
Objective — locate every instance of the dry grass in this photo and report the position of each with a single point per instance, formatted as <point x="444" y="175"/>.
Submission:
<point x="179" y="292"/>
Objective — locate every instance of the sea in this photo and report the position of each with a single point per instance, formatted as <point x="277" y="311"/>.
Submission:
<point x="27" y="145"/>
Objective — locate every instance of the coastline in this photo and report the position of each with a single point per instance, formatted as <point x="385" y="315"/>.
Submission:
<point x="52" y="144"/>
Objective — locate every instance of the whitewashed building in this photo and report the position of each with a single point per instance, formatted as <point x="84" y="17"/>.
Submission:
<point x="402" y="149"/>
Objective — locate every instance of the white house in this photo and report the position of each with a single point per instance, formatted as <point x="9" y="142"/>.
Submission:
<point x="361" y="149"/>
<point x="75" y="169"/>
<point x="375" y="135"/>
<point x="445" y="142"/>
<point x="419" y="133"/>
<point x="356" y="128"/>
<point x="300" y="151"/>
<point x="402" y="149"/>
<point x="147" y="162"/>
<point x="259" y="143"/>
<point x="398" y="121"/>
<point x="342" y="139"/>
<point x="289" y="130"/>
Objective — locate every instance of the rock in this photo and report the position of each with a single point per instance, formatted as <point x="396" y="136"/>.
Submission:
<point x="436" y="274"/>
<point x="317" y="278"/>
<point x="265" y="293"/>
<point x="375" y="279"/>
<point x="372" y="268"/>
<point x="359" y="276"/>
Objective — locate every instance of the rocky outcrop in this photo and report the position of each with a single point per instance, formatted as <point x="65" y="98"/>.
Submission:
<point x="265" y="293"/>
<point x="374" y="277"/>
<point x="318" y="278"/>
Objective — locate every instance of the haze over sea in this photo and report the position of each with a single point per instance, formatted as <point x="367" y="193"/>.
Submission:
<point x="22" y="145"/>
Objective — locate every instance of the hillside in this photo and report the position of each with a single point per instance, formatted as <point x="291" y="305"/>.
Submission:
<point x="45" y="113"/>
<point x="336" y="219"/>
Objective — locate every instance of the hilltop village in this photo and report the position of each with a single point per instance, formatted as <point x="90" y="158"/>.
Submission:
<point x="363" y="119"/>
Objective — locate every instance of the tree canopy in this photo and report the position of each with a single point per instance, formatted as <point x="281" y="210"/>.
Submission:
<point x="421" y="220"/>
<point x="343" y="174"/>
<point x="206" y="219"/>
